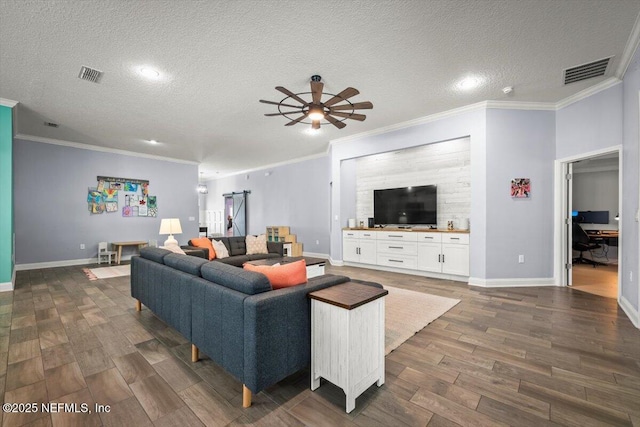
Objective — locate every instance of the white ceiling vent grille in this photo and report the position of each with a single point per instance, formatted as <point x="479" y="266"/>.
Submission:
<point x="586" y="71"/>
<point x="90" y="74"/>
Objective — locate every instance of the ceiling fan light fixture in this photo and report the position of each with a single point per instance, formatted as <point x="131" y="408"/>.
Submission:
<point x="316" y="113"/>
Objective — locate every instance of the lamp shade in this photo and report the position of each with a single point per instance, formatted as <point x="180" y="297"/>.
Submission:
<point x="170" y="226"/>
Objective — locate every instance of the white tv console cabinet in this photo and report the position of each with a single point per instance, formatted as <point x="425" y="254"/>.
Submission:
<point x="441" y="254"/>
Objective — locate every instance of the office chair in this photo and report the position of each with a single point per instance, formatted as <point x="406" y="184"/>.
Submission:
<point x="580" y="242"/>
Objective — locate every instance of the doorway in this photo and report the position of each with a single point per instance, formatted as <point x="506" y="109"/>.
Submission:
<point x="591" y="195"/>
<point x="235" y="210"/>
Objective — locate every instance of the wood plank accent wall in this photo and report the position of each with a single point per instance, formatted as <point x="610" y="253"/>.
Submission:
<point x="445" y="164"/>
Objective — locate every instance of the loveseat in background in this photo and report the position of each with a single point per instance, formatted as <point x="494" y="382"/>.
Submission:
<point x="237" y="248"/>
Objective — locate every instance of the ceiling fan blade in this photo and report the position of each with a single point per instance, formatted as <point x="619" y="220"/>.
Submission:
<point x="283" y="114"/>
<point x="357" y="106"/>
<point x="299" y="119"/>
<point x="315" y="124"/>
<point x="279" y="103"/>
<point x="316" y="91"/>
<point x="353" y="116"/>
<point x="337" y="123"/>
<point x="291" y="94"/>
<point x="345" y="94"/>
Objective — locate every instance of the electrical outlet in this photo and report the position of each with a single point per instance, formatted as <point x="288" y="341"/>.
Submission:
<point x="81" y="245"/>
<point x="317" y="242"/>
<point x="520" y="259"/>
<point x="631" y="276"/>
<point x="192" y="218"/>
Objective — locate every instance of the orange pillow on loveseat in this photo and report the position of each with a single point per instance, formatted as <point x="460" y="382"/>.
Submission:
<point x="282" y="276"/>
<point x="203" y="242"/>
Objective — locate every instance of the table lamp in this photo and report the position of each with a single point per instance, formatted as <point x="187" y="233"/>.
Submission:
<point x="170" y="226"/>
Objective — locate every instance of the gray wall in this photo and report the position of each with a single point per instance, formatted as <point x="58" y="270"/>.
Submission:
<point x="591" y="124"/>
<point x="295" y="194"/>
<point x="596" y="191"/>
<point x="51" y="216"/>
<point x="520" y="144"/>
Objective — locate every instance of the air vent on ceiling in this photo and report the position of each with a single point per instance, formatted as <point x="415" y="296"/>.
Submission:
<point x="51" y="124"/>
<point x="586" y="71"/>
<point x="90" y="74"/>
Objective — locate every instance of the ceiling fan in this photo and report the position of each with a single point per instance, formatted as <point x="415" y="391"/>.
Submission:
<point x="316" y="110"/>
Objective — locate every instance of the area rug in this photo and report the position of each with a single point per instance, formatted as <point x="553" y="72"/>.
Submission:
<point x="408" y="312"/>
<point x="107" y="272"/>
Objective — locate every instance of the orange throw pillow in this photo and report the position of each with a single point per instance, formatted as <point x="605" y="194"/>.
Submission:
<point x="282" y="276"/>
<point x="203" y="242"/>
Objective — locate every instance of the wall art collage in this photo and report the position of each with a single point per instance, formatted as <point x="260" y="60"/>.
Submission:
<point x="131" y="194"/>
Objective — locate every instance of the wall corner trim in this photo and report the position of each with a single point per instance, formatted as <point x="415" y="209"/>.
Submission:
<point x="631" y="312"/>
<point x="8" y="102"/>
<point x="336" y="262"/>
<point x="511" y="283"/>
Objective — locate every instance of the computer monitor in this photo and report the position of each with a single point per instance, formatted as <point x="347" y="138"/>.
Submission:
<point x="593" y="217"/>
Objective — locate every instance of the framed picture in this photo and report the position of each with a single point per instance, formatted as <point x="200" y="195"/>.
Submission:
<point x="521" y="188"/>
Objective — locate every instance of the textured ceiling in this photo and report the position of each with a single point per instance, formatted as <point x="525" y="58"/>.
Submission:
<point x="218" y="58"/>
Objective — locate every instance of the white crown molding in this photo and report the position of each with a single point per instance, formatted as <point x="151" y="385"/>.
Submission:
<point x="413" y="122"/>
<point x="522" y="105"/>
<point x="272" y="165"/>
<point x="629" y="50"/>
<point x="631" y="312"/>
<point x="8" y="102"/>
<point x="511" y="283"/>
<point x="592" y="90"/>
<point x="505" y="105"/>
<point x="64" y="143"/>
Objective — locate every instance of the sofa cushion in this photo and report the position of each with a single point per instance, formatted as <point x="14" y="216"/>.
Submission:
<point x="173" y="247"/>
<point x="220" y="248"/>
<point x="237" y="245"/>
<point x="154" y="254"/>
<point x="204" y="242"/>
<point x="237" y="260"/>
<point x="186" y="263"/>
<point x="247" y="282"/>
<point x="282" y="276"/>
<point x="256" y="244"/>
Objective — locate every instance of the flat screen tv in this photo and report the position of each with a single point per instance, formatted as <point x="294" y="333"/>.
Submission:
<point x="408" y="205"/>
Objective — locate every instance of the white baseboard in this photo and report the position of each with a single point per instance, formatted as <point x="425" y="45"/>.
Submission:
<point x="511" y="283"/>
<point x="64" y="263"/>
<point x="9" y="286"/>
<point x="336" y="262"/>
<point x="315" y="255"/>
<point x="631" y="312"/>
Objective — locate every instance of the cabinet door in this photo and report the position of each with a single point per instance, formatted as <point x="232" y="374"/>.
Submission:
<point x="429" y="257"/>
<point x="456" y="259"/>
<point x="350" y="250"/>
<point x="368" y="251"/>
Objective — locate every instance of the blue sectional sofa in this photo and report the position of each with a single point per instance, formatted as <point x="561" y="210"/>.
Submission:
<point x="258" y="335"/>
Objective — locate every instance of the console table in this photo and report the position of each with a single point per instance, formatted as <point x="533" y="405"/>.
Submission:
<point x="347" y="338"/>
<point x="118" y="245"/>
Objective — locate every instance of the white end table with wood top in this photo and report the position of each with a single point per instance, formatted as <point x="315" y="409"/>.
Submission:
<point x="347" y="338"/>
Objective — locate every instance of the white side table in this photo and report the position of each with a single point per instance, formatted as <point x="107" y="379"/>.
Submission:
<point x="347" y="338"/>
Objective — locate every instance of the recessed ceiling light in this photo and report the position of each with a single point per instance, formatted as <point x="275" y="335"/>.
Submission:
<point x="153" y="141"/>
<point x="149" y="73"/>
<point x="469" y="83"/>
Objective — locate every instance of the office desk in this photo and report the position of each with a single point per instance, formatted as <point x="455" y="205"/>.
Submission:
<point x="139" y="243"/>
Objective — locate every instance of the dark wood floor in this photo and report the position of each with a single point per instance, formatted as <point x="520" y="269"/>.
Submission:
<point x="522" y="356"/>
